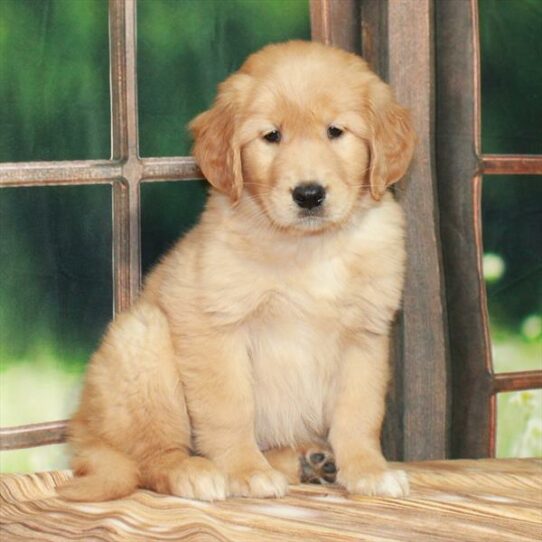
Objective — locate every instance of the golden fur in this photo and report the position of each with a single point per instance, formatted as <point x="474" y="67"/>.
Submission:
<point x="265" y="328"/>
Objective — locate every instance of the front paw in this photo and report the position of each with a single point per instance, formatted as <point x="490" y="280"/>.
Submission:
<point x="259" y="483"/>
<point x="381" y="482"/>
<point x="197" y="478"/>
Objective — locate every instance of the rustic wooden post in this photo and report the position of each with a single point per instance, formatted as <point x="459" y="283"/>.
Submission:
<point x="423" y="333"/>
<point x="458" y="147"/>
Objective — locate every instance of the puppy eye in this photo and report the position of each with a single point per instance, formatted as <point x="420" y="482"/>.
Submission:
<point x="273" y="137"/>
<point x="333" y="132"/>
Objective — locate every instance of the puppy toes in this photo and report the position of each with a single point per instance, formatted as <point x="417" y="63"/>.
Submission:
<point x="386" y="483"/>
<point x="259" y="483"/>
<point x="198" y="478"/>
<point x="318" y="467"/>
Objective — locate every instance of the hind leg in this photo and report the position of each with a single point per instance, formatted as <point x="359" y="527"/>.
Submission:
<point x="133" y="414"/>
<point x="313" y="464"/>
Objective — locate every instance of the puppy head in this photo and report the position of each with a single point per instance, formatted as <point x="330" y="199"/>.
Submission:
<point x="305" y="132"/>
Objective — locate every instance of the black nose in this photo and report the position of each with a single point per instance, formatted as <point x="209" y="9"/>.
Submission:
<point x="309" y="195"/>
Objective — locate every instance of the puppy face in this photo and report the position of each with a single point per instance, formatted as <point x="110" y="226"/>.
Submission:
<point x="305" y="131"/>
<point x="301" y="161"/>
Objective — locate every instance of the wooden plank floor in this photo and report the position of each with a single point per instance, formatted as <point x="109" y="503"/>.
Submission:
<point x="467" y="500"/>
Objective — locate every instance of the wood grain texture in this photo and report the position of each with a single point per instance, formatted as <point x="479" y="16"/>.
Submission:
<point x="374" y="24"/>
<point x="398" y="44"/>
<point x="511" y="164"/>
<point x="458" y="164"/>
<point x="125" y="148"/>
<point x="36" y="434"/>
<point x="374" y="35"/>
<point x="467" y="500"/>
<point x="336" y="22"/>
<point x="521" y="380"/>
<point x="423" y="335"/>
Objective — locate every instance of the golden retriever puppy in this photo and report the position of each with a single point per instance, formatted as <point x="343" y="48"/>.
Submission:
<point x="262" y="337"/>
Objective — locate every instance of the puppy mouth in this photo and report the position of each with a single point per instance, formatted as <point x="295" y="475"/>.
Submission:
<point x="288" y="214"/>
<point x="317" y="212"/>
<point x="312" y="219"/>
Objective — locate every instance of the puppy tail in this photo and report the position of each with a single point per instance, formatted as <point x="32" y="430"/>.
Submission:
<point x="101" y="474"/>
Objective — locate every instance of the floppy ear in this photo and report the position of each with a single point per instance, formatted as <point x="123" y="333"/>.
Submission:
<point x="216" y="146"/>
<point x="391" y="141"/>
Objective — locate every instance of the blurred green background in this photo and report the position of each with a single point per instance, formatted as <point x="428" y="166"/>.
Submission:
<point x="55" y="242"/>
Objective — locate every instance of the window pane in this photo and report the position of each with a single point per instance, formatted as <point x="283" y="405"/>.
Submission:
<point x="511" y="50"/>
<point x="186" y="47"/>
<point x="168" y="209"/>
<point x="512" y="218"/>
<point x="54" y="80"/>
<point x="55" y="295"/>
<point x="519" y="427"/>
<point x="39" y="459"/>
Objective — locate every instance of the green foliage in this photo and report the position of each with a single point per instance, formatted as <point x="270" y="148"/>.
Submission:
<point x="41" y="459"/>
<point x="512" y="219"/>
<point x="519" y="431"/>
<point x="55" y="271"/>
<point x="168" y="210"/>
<point x="511" y="47"/>
<point x="54" y="80"/>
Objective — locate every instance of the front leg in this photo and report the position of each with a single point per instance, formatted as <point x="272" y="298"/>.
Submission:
<point x="217" y="379"/>
<point x="357" y="417"/>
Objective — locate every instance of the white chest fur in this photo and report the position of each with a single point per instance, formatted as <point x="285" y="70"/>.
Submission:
<point x="294" y="346"/>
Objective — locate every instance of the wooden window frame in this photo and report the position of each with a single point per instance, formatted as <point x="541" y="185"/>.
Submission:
<point x="442" y="402"/>
<point x="460" y="167"/>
